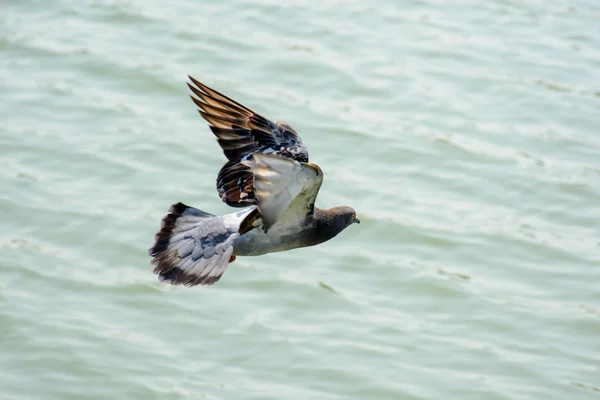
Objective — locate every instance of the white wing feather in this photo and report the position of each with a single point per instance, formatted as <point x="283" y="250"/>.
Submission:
<point x="284" y="186"/>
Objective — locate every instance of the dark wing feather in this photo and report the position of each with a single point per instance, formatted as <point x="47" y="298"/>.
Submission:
<point x="240" y="133"/>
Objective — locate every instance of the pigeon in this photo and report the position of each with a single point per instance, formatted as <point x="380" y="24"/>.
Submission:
<point x="268" y="174"/>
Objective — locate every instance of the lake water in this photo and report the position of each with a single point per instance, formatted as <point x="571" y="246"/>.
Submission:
<point x="465" y="134"/>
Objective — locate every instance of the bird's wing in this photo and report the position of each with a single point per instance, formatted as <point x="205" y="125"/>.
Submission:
<point x="240" y="133"/>
<point x="285" y="189"/>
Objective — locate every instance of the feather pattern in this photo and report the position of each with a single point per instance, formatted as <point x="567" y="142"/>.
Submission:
<point x="286" y="189"/>
<point x="194" y="247"/>
<point x="241" y="133"/>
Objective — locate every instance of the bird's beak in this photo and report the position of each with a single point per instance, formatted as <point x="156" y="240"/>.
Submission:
<point x="357" y="220"/>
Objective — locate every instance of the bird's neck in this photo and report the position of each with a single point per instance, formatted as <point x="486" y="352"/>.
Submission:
<point x="324" y="224"/>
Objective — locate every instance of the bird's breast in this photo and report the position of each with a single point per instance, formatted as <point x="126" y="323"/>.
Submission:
<point x="279" y="238"/>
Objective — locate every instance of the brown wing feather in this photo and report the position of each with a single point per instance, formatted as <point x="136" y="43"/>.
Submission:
<point x="240" y="133"/>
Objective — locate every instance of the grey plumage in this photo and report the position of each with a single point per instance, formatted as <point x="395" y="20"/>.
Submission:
<point x="268" y="170"/>
<point x="193" y="247"/>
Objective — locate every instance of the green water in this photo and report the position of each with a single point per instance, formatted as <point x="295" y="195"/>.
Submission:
<point x="465" y="134"/>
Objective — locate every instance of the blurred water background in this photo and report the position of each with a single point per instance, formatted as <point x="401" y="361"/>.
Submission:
<point x="465" y="134"/>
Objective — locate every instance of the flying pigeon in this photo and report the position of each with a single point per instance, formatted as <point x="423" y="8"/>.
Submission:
<point x="268" y="174"/>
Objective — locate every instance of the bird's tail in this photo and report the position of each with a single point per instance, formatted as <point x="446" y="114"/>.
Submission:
<point x="193" y="247"/>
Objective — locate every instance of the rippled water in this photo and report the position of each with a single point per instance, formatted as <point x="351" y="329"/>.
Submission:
<point x="465" y="135"/>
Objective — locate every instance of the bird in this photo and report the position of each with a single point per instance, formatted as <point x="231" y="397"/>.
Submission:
<point x="268" y="175"/>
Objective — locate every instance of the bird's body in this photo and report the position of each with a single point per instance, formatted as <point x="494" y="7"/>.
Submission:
<point x="268" y="173"/>
<point x="282" y="237"/>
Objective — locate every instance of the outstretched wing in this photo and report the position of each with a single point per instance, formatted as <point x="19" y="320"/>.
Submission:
<point x="285" y="189"/>
<point x="241" y="132"/>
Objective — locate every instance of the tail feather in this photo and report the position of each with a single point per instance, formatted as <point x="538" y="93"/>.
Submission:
<point x="193" y="247"/>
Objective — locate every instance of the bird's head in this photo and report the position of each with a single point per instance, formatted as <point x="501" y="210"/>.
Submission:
<point x="348" y="215"/>
<point x="342" y="217"/>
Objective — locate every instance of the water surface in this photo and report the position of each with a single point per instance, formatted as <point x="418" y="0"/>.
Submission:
<point x="465" y="135"/>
